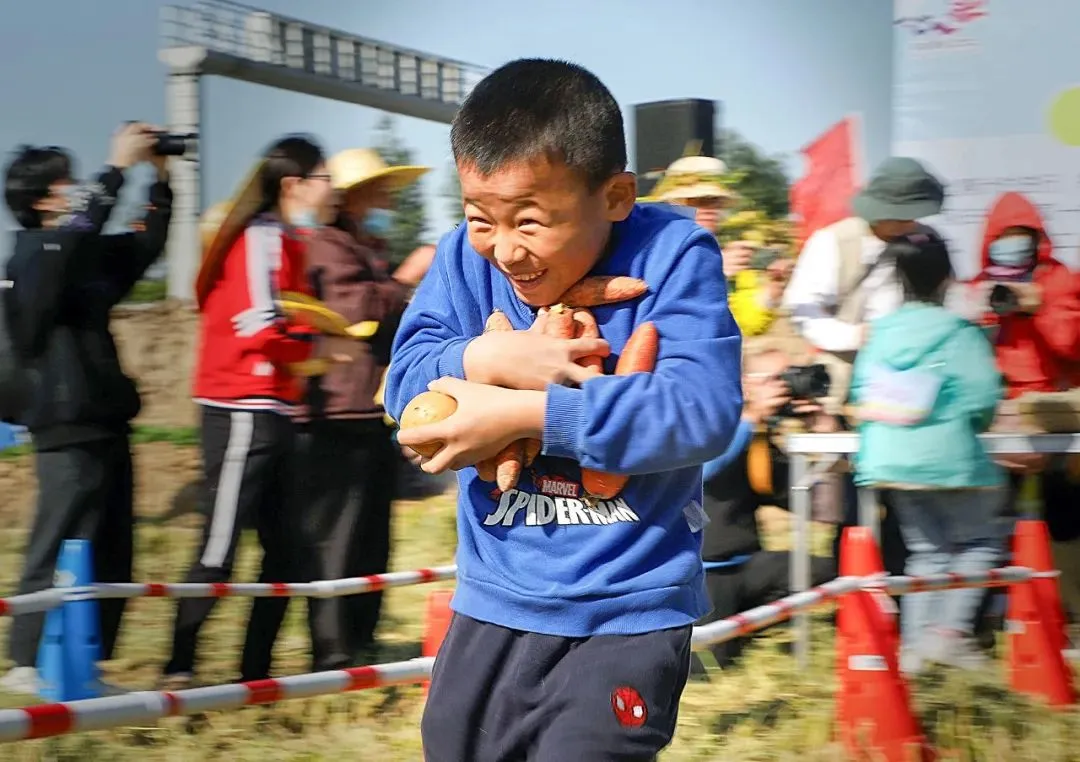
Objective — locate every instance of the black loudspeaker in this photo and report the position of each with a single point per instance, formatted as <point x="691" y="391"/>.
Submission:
<point x="665" y="129"/>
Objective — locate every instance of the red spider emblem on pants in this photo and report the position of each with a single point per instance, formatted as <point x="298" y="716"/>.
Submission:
<point x="629" y="707"/>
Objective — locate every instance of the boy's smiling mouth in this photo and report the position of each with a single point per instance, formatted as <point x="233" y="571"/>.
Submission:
<point x="527" y="277"/>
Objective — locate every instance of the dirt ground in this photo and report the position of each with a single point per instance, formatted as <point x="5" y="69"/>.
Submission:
<point x="157" y="346"/>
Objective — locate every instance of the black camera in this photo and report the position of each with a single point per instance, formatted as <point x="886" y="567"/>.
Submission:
<point x="804" y="383"/>
<point x="807" y="382"/>
<point x="1003" y="300"/>
<point x="175" y="143"/>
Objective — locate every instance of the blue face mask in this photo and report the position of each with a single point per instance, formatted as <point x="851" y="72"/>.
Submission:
<point x="306" y="219"/>
<point x="1012" y="251"/>
<point x="378" y="222"/>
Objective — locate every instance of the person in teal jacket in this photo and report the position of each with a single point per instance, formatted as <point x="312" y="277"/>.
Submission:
<point x="924" y="386"/>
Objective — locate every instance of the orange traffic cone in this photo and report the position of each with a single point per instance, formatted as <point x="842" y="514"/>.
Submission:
<point x="437" y="624"/>
<point x="873" y="706"/>
<point x="1036" y="622"/>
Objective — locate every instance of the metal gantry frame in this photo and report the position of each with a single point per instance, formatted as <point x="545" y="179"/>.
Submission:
<point x="226" y="39"/>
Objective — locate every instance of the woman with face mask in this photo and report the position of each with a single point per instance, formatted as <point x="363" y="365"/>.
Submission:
<point x="349" y="460"/>
<point x="246" y="389"/>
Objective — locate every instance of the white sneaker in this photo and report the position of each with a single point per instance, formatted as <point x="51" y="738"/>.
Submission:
<point x="23" y="680"/>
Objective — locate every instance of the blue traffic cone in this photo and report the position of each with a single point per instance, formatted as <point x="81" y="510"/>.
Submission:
<point x="71" y="643"/>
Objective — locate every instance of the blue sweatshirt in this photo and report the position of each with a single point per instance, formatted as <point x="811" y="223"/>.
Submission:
<point x="538" y="558"/>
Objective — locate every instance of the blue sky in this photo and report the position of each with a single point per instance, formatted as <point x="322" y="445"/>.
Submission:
<point x="783" y="70"/>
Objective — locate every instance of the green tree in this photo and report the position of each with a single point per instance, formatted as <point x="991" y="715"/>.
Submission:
<point x="758" y="178"/>
<point x="451" y="192"/>
<point x="410" y="226"/>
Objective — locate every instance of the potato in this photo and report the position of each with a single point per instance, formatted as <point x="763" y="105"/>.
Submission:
<point x="425" y="408"/>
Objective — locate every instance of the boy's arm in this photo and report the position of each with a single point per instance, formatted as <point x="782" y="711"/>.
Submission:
<point x="686" y="411"/>
<point x="430" y="341"/>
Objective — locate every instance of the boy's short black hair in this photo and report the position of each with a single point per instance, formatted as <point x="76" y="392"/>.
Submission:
<point x="539" y="107"/>
<point x="28" y="178"/>
<point x="922" y="263"/>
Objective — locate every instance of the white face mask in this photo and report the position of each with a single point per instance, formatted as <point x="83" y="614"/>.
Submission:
<point x="306" y="218"/>
<point x="1012" y="251"/>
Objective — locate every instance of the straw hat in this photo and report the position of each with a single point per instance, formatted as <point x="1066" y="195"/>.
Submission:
<point x="357" y="166"/>
<point x="693" y="177"/>
<point x="222" y="224"/>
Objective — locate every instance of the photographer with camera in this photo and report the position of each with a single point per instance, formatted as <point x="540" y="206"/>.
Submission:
<point x="1030" y="306"/>
<point x="753" y="473"/>
<point x="66" y="276"/>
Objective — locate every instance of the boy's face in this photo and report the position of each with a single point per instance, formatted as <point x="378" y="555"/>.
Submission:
<point x="538" y="223"/>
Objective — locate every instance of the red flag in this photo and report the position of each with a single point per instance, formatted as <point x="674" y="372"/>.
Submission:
<point x="823" y="196"/>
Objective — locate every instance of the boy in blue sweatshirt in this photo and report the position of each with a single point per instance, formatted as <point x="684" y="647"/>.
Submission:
<point x="571" y="634"/>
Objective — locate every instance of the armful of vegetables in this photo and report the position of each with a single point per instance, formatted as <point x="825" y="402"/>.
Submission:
<point x="569" y="319"/>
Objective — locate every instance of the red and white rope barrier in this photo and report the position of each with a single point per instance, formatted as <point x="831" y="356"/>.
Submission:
<point x="49" y="599"/>
<point x="761" y="617"/>
<point x="149" y="706"/>
<point x="1001" y="577"/>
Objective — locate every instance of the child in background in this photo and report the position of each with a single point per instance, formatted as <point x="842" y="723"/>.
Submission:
<point x="572" y="625"/>
<point x="925" y="386"/>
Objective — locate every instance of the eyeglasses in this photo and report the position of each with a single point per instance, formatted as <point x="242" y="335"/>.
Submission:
<point x="319" y="176"/>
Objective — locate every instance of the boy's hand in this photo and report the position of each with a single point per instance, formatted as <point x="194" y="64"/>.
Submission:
<point x="486" y="420"/>
<point x="529" y="360"/>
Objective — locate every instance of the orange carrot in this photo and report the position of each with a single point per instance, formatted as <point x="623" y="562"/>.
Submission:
<point x="485" y="469"/>
<point x="532" y="450"/>
<point x="505" y="468"/>
<point x="560" y="322"/>
<point x="639" y="355"/>
<point x="604" y="289"/>
<point x="508" y="465"/>
<point x="588" y="329"/>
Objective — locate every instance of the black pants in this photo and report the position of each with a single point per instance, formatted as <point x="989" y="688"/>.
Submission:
<point x="84" y="492"/>
<point x="763" y="578"/>
<point x="501" y="695"/>
<point x="348" y="474"/>
<point x="247" y="465"/>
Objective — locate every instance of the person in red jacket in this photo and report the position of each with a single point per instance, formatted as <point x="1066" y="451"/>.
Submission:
<point x="1032" y="311"/>
<point x="245" y="385"/>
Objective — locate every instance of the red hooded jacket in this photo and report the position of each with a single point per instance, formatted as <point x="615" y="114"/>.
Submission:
<point x="1039" y="352"/>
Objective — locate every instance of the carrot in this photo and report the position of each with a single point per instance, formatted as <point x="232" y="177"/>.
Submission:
<point x="532" y="450"/>
<point x="485" y="469"/>
<point x="638" y="356"/>
<point x="588" y="329"/>
<point x="560" y="322"/>
<point x="508" y="465"/>
<point x="604" y="289"/>
<point x="498" y="321"/>
<point x="505" y="468"/>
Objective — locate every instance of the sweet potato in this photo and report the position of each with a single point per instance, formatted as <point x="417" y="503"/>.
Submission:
<point x="604" y="289"/>
<point x="588" y="329"/>
<point x="639" y="355"/>
<point x="425" y="408"/>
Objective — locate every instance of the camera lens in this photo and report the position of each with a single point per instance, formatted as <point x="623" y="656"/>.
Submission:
<point x="1003" y="300"/>
<point x="175" y="144"/>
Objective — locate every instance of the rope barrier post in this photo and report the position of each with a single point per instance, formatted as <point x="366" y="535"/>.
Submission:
<point x="800" y="548"/>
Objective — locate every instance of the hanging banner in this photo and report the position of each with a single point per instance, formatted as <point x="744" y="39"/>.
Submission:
<point x="987" y="94"/>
